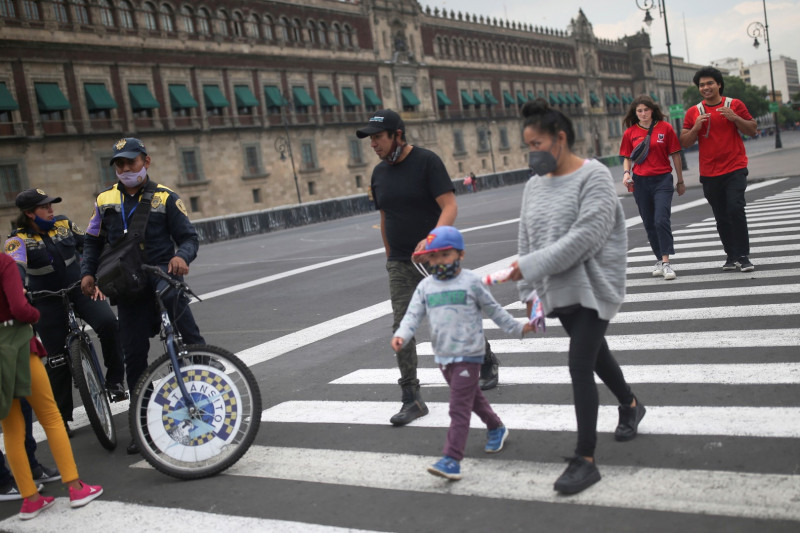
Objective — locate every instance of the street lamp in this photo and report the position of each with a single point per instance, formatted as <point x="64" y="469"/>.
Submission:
<point x="646" y="6"/>
<point x="756" y="30"/>
<point x="282" y="145"/>
<point x="491" y="150"/>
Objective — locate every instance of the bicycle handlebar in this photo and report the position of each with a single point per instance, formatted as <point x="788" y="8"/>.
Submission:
<point x="37" y="295"/>
<point x="176" y="284"/>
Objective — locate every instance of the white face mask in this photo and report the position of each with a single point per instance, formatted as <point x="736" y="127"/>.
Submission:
<point x="132" y="179"/>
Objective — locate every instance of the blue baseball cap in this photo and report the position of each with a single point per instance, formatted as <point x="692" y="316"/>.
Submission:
<point x="129" y="148"/>
<point x="443" y="238"/>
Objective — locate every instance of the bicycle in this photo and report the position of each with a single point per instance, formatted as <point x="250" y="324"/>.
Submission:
<point x="87" y="374"/>
<point x="202" y="423"/>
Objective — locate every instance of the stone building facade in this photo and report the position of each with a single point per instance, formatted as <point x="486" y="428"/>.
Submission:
<point x="253" y="104"/>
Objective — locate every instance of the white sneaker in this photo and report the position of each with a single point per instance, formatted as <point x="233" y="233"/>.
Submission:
<point x="658" y="270"/>
<point x="668" y="272"/>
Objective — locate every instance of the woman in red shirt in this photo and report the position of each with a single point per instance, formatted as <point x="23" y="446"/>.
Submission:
<point x="23" y="375"/>
<point x="652" y="178"/>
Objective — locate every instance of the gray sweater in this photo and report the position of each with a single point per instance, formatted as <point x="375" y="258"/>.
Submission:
<point x="573" y="241"/>
<point x="454" y="312"/>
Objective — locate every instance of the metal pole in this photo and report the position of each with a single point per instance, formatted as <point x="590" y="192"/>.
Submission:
<point x="778" y="143"/>
<point x="662" y="9"/>
<point x="491" y="150"/>
<point x="291" y="158"/>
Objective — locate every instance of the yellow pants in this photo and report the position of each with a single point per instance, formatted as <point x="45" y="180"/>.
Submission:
<point x="43" y="404"/>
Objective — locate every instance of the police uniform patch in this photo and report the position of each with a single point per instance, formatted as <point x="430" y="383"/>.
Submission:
<point x="76" y="230"/>
<point x="62" y="231"/>
<point x="156" y="201"/>
<point x="12" y="246"/>
<point x="180" y="206"/>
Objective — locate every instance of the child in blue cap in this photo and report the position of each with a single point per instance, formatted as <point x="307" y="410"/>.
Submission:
<point x="454" y="299"/>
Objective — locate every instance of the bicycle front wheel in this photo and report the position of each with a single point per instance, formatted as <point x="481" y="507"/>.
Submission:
<point x="93" y="394"/>
<point x="191" y="443"/>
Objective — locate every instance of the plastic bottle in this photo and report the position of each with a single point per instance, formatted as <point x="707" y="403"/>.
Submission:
<point x="501" y="276"/>
<point x="629" y="184"/>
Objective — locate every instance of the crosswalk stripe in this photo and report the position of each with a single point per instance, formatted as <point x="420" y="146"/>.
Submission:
<point x="706" y="492"/>
<point x="709" y="278"/>
<point x="751" y="338"/>
<point x="715" y="243"/>
<point x="694" y="229"/>
<point x="710" y="236"/>
<point x="683" y="315"/>
<point x="711" y="222"/>
<point x="107" y="515"/>
<point x="718" y="252"/>
<point x="720" y="374"/>
<point x="717" y="265"/>
<point x="736" y="421"/>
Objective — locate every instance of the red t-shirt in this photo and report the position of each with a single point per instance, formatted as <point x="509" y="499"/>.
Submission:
<point x="721" y="146"/>
<point x="13" y="304"/>
<point x="663" y="143"/>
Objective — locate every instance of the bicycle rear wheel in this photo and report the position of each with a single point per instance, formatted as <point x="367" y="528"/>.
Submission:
<point x="93" y="395"/>
<point x="193" y="445"/>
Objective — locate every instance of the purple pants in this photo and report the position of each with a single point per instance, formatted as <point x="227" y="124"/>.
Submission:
<point x="465" y="398"/>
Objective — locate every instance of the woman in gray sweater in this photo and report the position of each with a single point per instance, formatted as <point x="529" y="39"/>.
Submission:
<point x="572" y="251"/>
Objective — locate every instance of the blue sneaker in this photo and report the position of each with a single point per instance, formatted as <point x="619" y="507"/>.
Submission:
<point x="495" y="439"/>
<point x="446" y="467"/>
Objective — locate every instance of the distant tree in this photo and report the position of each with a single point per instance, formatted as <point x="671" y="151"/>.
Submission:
<point x="755" y="98"/>
<point x="788" y="115"/>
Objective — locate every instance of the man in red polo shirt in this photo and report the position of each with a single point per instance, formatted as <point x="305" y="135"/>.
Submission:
<point x="716" y="124"/>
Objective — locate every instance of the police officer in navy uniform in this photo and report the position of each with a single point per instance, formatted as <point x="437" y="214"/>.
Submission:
<point x="170" y="243"/>
<point x="45" y="247"/>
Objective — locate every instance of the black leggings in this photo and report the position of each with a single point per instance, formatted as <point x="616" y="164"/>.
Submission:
<point x="589" y="353"/>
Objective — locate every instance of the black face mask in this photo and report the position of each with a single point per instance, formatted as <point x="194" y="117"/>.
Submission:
<point x="542" y="162"/>
<point x="394" y="155"/>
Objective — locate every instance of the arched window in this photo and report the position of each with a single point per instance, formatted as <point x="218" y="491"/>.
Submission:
<point x="297" y="31"/>
<point x="149" y="16"/>
<point x="251" y="26"/>
<point x="81" y="13"/>
<point x="59" y="10"/>
<point x="222" y="23"/>
<point x="203" y="24"/>
<point x="336" y="34"/>
<point x="106" y="16"/>
<point x="7" y="9"/>
<point x="186" y="20"/>
<point x="322" y="34"/>
<point x="347" y="36"/>
<point x="312" y="31"/>
<point x="268" y="33"/>
<point x="125" y="14"/>
<point x="167" y="20"/>
<point x="283" y="29"/>
<point x="31" y="10"/>
<point x="238" y="24"/>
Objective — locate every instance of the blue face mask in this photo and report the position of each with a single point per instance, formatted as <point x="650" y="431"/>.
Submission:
<point x="443" y="272"/>
<point x="43" y="224"/>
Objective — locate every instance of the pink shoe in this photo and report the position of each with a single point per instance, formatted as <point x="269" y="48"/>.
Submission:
<point x="83" y="495"/>
<point x="31" y="509"/>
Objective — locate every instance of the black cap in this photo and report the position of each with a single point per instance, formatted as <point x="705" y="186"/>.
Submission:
<point x="32" y="198"/>
<point x="383" y="120"/>
<point x="129" y="148"/>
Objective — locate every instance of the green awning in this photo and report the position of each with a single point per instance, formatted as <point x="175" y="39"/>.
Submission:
<point x="180" y="97"/>
<point x="326" y="97"/>
<point x="50" y="97"/>
<point x="97" y="97"/>
<point x="593" y="98"/>
<point x="531" y="96"/>
<point x="244" y="96"/>
<point x="609" y="100"/>
<point x="653" y="96"/>
<point x="214" y="97"/>
<point x="350" y="98"/>
<point x="274" y="97"/>
<point x="301" y="97"/>
<point x="614" y="98"/>
<point x="553" y="99"/>
<point x="490" y="99"/>
<point x="442" y="98"/>
<point x="408" y="97"/>
<point x="7" y="102"/>
<point x="371" y="98"/>
<point x="520" y="98"/>
<point x="476" y="95"/>
<point x="466" y="99"/>
<point x="541" y="95"/>
<point x="577" y="98"/>
<point x="507" y="98"/>
<point x="141" y="98"/>
<point x="561" y="99"/>
<point x="568" y="97"/>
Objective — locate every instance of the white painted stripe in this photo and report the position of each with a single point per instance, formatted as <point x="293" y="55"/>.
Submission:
<point x="694" y="229"/>
<point x="681" y="315"/>
<point x="771" y="208"/>
<point x="105" y="515"/>
<point x="709" y="278"/>
<point x="707" y="253"/>
<point x="752" y="338"/>
<point x="711" y="222"/>
<point x="737" y="421"/>
<point x="766" y="231"/>
<point x="715" y="242"/>
<point x="718" y="374"/>
<point x="702" y="492"/>
<point x="717" y="265"/>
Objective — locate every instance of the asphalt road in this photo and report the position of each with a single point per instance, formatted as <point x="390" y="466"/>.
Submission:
<point x="715" y="359"/>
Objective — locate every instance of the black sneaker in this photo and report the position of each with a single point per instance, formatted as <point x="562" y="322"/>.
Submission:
<point x="42" y="474"/>
<point x="745" y="265"/>
<point x="10" y="492"/>
<point x="579" y="475"/>
<point x="117" y="392"/>
<point x="629" y="418"/>
<point x="730" y="264"/>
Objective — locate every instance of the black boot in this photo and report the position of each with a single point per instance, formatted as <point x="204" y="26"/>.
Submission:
<point x="413" y="407"/>
<point x="490" y="374"/>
